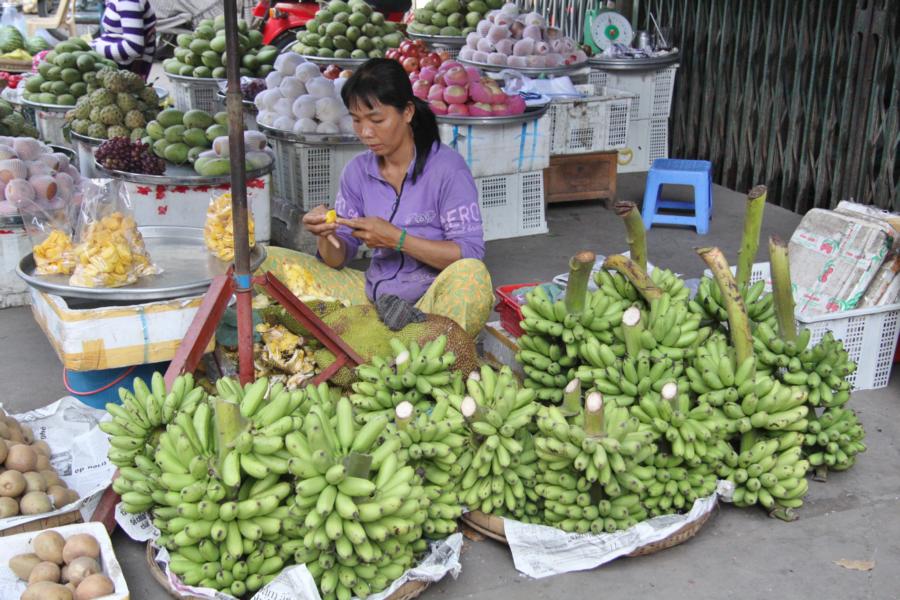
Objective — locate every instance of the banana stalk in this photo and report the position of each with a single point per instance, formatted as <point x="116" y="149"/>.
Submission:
<point x="631" y="331"/>
<point x="580" y="267"/>
<point x="593" y="414"/>
<point x="738" y="321"/>
<point x="781" y="288"/>
<point x="635" y="274"/>
<point x="229" y="424"/>
<point x="571" y="404"/>
<point x="635" y="234"/>
<point x="756" y="205"/>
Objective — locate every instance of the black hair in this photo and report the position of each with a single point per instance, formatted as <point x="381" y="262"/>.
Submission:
<point x="384" y="81"/>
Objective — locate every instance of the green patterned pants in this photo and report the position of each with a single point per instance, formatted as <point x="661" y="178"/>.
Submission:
<point x="462" y="292"/>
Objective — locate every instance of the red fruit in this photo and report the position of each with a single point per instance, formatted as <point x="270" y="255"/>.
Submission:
<point x="438" y="107"/>
<point x="445" y="56"/>
<point x="436" y="93"/>
<point x="428" y="61"/>
<point x="420" y="45"/>
<point x="459" y="110"/>
<point x="406" y="47"/>
<point x="410" y="64"/>
<point x="392" y="54"/>
<point x="331" y="72"/>
<point x="420" y="89"/>
<point x="455" y="94"/>
<point x="427" y="73"/>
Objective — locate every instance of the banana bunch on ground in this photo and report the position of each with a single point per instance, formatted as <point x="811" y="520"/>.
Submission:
<point x="716" y="377"/>
<point x="144" y="412"/>
<point x="671" y="284"/>
<point x="432" y="443"/>
<point x="834" y="439"/>
<point x="670" y="329"/>
<point x="545" y="363"/>
<point x="362" y="507"/>
<point x="499" y="464"/>
<point x="624" y="381"/>
<point x="414" y="375"/>
<point x="676" y="485"/>
<point x="616" y="287"/>
<point x="709" y="304"/>
<point x="770" y="472"/>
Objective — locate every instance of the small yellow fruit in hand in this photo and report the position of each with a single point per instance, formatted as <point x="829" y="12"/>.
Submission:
<point x="331" y="217"/>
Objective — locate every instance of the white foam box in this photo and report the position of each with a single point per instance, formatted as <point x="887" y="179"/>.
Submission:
<point x="501" y="149"/>
<point x="21" y="544"/>
<point x="14" y="244"/>
<point x="185" y="205"/>
<point x="500" y="346"/>
<point x="87" y="339"/>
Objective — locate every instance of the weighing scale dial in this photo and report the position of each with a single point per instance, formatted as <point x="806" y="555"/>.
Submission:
<point x="609" y="27"/>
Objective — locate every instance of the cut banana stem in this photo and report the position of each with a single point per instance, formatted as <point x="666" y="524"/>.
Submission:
<point x="475" y="376"/>
<point x="631" y="331"/>
<point x="635" y="234"/>
<point x="403" y="413"/>
<point x="580" y="267"/>
<point x="635" y="274"/>
<point x="781" y="289"/>
<point x="756" y="204"/>
<point x="669" y="391"/>
<point x="738" y="321"/>
<point x="229" y="424"/>
<point x="572" y="398"/>
<point x="401" y="362"/>
<point x="470" y="409"/>
<point x="593" y="414"/>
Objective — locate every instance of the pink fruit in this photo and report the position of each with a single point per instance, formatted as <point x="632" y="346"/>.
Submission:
<point x="456" y="76"/>
<point x="480" y="57"/>
<point x="480" y="93"/>
<point x="438" y="107"/>
<point x="499" y="110"/>
<point x="532" y="32"/>
<point x="420" y="89"/>
<point x="427" y="74"/>
<point x="484" y="45"/>
<point x="515" y="104"/>
<point x="439" y="78"/>
<point x="541" y="48"/>
<point x="523" y="47"/>
<point x="472" y="40"/>
<point x="480" y="109"/>
<point x="516" y="29"/>
<point x="436" y="92"/>
<point x="455" y="94"/>
<point x="474" y="74"/>
<point x="44" y="187"/>
<point x="495" y="58"/>
<point x="498" y="32"/>
<point x="459" y="110"/>
<point x="553" y="60"/>
<point x="19" y="191"/>
<point x="506" y="46"/>
<point x="447" y="65"/>
<point x="483" y="27"/>
<point x="497" y="95"/>
<point x="466" y="53"/>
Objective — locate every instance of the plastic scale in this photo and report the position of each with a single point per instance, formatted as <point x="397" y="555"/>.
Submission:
<point x="604" y="27"/>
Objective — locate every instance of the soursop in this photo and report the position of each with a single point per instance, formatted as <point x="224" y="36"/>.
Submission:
<point x="114" y="81"/>
<point x="100" y="98"/>
<point x="116" y="131"/>
<point x="111" y="115"/>
<point x="137" y="134"/>
<point x="133" y="82"/>
<point x="125" y="102"/>
<point x="148" y="95"/>
<point x="81" y="126"/>
<point x="97" y="130"/>
<point x="134" y="119"/>
<point x="94" y="115"/>
<point x="82" y="110"/>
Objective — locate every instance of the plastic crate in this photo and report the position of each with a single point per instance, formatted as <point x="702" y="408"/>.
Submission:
<point x="509" y="310"/>
<point x="501" y="149"/>
<point x="195" y="93"/>
<point x="512" y="205"/>
<point x="14" y="244"/>
<point x="869" y="335"/>
<point x="596" y="122"/>
<point x="654" y="89"/>
<point x="305" y="175"/>
<point x="648" y="139"/>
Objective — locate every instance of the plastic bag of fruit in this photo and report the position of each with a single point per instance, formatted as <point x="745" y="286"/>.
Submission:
<point x="48" y="225"/>
<point x="110" y="251"/>
<point x="218" y="232"/>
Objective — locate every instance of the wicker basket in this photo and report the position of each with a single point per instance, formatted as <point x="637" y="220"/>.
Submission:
<point x="73" y="516"/>
<point x="407" y="591"/>
<point x="492" y="527"/>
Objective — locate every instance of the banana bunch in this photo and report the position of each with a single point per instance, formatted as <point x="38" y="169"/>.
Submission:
<point x="432" y="444"/>
<point x="835" y="438"/>
<point x="675" y="485"/>
<point x="715" y="375"/>
<point x="144" y="413"/>
<point x="671" y="329"/>
<point x="671" y="284"/>
<point x="545" y="363"/>
<point x="412" y="376"/>
<point x="770" y="472"/>
<point x="709" y="304"/>
<point x="498" y="467"/>
<point x="616" y="286"/>
<point x="361" y="505"/>
<point x="552" y="319"/>
<point x="623" y="381"/>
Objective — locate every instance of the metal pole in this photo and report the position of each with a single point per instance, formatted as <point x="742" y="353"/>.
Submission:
<point x="242" y="275"/>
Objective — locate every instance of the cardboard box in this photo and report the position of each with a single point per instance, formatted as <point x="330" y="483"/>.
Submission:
<point x="87" y="339"/>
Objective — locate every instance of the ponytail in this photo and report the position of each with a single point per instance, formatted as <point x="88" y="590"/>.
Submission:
<point x="384" y="81"/>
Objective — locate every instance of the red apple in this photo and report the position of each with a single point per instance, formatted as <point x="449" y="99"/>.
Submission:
<point x="410" y="64"/>
<point x="420" y="89"/>
<point x="331" y="72"/>
<point x="406" y="47"/>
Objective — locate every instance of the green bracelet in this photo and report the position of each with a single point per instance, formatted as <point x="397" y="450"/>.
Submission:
<point x="400" y="242"/>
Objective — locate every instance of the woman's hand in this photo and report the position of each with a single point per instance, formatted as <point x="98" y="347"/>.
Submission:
<point x="314" y="222"/>
<point x="374" y="232"/>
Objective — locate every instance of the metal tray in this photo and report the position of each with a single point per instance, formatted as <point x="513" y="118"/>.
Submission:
<point x="178" y="175"/>
<point x="188" y="269"/>
<point x="344" y="63"/>
<point x="90" y="141"/>
<point x="448" y="41"/>
<point x="532" y="71"/>
<point x="162" y="93"/>
<point x="633" y="64"/>
<point x="311" y="139"/>
<point x="530" y="114"/>
<point x="249" y="105"/>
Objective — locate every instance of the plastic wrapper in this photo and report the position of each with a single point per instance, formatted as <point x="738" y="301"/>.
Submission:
<point x="218" y="232"/>
<point x="110" y="250"/>
<point x="49" y="227"/>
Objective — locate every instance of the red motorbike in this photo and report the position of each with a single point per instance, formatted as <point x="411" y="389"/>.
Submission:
<point x="279" y="23"/>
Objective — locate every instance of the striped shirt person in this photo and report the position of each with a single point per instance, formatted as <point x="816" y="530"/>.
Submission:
<point x="129" y="34"/>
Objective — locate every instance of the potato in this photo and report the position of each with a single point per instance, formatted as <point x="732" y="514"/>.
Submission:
<point x="45" y="571"/>
<point x="35" y="482"/>
<point x="9" y="507"/>
<point x="42" y="463"/>
<point x="52" y="478"/>
<point x="4" y="450"/>
<point x="94" y="586"/>
<point x="46" y="590"/>
<point x="22" y="564"/>
<point x="59" y="495"/>
<point x="49" y="546"/>
<point x="81" y="568"/>
<point x="81" y="544"/>
<point x="35" y="503"/>
<point x="12" y="484"/>
<point x="22" y="458"/>
<point x="41" y="447"/>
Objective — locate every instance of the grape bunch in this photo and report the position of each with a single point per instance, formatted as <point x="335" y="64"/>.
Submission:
<point x="121" y="154"/>
<point x="249" y="89"/>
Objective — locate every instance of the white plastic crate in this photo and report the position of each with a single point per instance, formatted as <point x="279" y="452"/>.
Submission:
<point x="501" y="149"/>
<point x="195" y="94"/>
<point x="869" y="334"/>
<point x="512" y="205"/>
<point x="654" y="89"/>
<point x="14" y="244"/>
<point x="648" y="139"/>
<point x="594" y="123"/>
<point x="306" y="175"/>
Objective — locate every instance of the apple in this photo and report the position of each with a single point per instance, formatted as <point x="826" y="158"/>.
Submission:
<point x="331" y="72"/>
<point x="410" y="64"/>
<point x="421" y="88"/>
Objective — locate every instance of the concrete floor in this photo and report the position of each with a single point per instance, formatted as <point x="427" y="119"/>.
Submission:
<point x="738" y="554"/>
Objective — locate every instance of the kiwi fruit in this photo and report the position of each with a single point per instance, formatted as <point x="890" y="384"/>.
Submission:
<point x="22" y="458"/>
<point x="35" y="503"/>
<point x="12" y="484"/>
<point x="48" y="546"/>
<point x="44" y="571"/>
<point x="80" y="544"/>
<point x="34" y="482"/>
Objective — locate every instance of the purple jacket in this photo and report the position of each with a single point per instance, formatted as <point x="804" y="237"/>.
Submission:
<point x="441" y="205"/>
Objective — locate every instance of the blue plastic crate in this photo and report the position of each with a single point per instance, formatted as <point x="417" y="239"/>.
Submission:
<point x="98" y="388"/>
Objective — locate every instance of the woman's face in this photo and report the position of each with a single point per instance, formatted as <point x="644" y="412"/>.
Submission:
<point x="381" y="127"/>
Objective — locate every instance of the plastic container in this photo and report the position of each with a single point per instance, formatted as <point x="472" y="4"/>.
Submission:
<point x="648" y="139"/>
<point x="870" y="335"/>
<point x="512" y="205"/>
<point x="195" y="93"/>
<point x="509" y="310"/>
<point x="594" y="123"/>
<point x="14" y="244"/>
<point x="98" y="388"/>
<point x="653" y="89"/>
<point x="501" y="149"/>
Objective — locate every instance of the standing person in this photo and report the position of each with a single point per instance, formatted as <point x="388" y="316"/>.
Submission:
<point x="128" y="35"/>
<point x="412" y="201"/>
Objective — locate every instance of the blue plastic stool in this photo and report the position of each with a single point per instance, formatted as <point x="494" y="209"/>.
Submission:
<point x="696" y="173"/>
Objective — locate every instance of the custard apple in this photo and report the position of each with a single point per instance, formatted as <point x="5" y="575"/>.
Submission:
<point x="148" y="95"/>
<point x="111" y="115"/>
<point x="97" y="130"/>
<point x="116" y="131"/>
<point x="101" y="98"/>
<point x="137" y="134"/>
<point x="125" y="102"/>
<point x="95" y="114"/>
<point x="134" y="119"/>
<point x="82" y="110"/>
<point x="81" y="126"/>
<point x="114" y="81"/>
